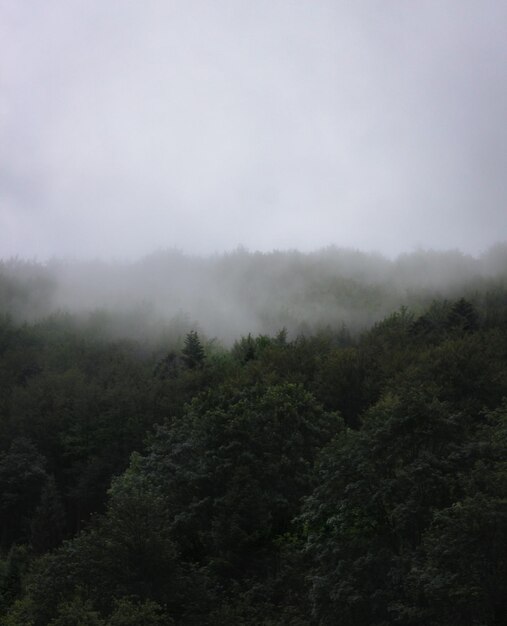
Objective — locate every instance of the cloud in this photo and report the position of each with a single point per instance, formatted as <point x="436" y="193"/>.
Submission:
<point x="126" y="127"/>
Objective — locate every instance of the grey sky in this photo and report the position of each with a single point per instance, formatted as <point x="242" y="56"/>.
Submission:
<point x="127" y="126"/>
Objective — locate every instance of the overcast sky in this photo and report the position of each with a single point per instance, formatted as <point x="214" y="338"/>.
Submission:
<point x="128" y="126"/>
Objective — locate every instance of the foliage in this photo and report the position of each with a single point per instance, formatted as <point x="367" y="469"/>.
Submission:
<point x="331" y="477"/>
<point x="193" y="352"/>
<point x="131" y="612"/>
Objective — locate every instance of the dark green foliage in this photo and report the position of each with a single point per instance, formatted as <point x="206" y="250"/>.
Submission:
<point x="128" y="553"/>
<point x="132" y="612"/>
<point x="372" y="505"/>
<point x="48" y="521"/>
<point x="342" y="383"/>
<point x="234" y="469"/>
<point x="12" y="574"/>
<point x="463" y="317"/>
<point x="193" y="352"/>
<point x="19" y="614"/>
<point x="463" y="577"/>
<point x="333" y="478"/>
<point x="87" y="407"/>
<point x="398" y="529"/>
<point x="77" y="612"/>
<point x="170" y="366"/>
<point x="431" y="327"/>
<point x="22" y="477"/>
<point x="246" y="349"/>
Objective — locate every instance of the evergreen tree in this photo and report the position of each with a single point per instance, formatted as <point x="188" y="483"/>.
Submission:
<point x="193" y="352"/>
<point x="463" y="317"/>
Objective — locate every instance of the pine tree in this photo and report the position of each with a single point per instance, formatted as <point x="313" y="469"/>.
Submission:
<point x="193" y="352"/>
<point x="463" y="317"/>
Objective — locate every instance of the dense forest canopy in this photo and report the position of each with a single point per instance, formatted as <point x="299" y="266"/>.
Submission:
<point x="254" y="439"/>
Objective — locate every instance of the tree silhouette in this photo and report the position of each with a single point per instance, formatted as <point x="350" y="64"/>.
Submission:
<point x="463" y="317"/>
<point x="193" y="352"/>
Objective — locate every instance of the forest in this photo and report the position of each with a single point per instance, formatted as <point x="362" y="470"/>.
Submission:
<point x="259" y="439"/>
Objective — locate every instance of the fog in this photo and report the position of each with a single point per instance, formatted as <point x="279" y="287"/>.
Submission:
<point x="127" y="127"/>
<point x="230" y="295"/>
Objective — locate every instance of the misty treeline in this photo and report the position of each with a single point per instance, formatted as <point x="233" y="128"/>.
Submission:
<point x="234" y="294"/>
<point x="332" y="476"/>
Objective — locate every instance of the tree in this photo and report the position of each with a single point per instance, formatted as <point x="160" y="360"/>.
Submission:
<point x="234" y="470"/>
<point x="193" y="352"/>
<point x="462" y="575"/>
<point x="463" y="317"/>
<point x="463" y="578"/>
<point x="377" y="492"/>
<point x="77" y="612"/>
<point x="132" y="612"/>
<point x="48" y="523"/>
<point x="12" y="572"/>
<point x="126" y="553"/>
<point x="342" y="385"/>
<point x="22" y="477"/>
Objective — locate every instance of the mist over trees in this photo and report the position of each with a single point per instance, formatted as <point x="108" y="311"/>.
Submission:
<point x="347" y="467"/>
<point x="282" y="434"/>
<point x="240" y="292"/>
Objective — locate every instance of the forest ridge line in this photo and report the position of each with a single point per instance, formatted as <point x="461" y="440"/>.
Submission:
<point x="230" y="294"/>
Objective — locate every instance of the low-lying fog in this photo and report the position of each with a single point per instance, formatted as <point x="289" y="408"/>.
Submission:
<point x="242" y="292"/>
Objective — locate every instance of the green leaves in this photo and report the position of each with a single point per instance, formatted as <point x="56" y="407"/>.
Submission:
<point x="463" y="577"/>
<point x="252" y="501"/>
<point x="234" y="469"/>
<point x="408" y="521"/>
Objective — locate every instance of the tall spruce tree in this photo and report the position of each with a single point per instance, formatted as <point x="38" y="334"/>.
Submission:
<point x="193" y="352"/>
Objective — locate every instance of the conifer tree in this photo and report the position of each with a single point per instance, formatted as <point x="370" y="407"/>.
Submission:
<point x="193" y="352"/>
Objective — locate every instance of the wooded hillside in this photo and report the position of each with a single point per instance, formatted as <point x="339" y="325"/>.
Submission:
<point x="346" y="475"/>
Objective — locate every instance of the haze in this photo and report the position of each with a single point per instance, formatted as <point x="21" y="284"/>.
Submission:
<point x="127" y="127"/>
